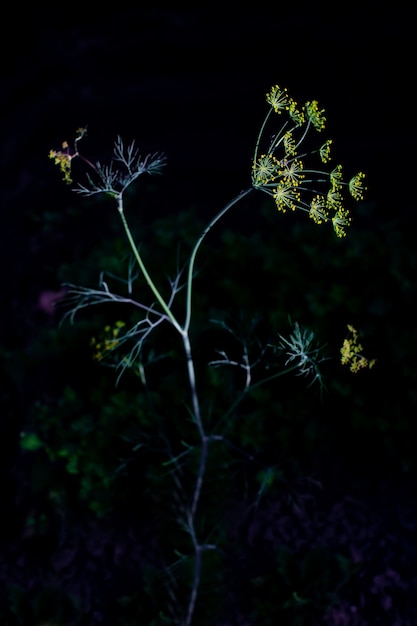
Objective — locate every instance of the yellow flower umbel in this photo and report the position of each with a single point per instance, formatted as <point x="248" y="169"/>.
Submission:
<point x="356" y="187"/>
<point x="109" y="341"/>
<point x="267" y="170"/>
<point x="291" y="169"/>
<point x="278" y="99"/>
<point x="351" y="352"/>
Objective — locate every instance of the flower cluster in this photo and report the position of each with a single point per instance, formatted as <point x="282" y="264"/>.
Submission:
<point x="351" y="352"/>
<point x="63" y="158"/>
<point x="287" y="172"/>
<point x="108" y="342"/>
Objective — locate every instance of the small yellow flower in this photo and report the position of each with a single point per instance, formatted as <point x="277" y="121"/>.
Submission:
<point x="63" y="160"/>
<point x="325" y="151"/>
<point x="351" y="352"/>
<point x="356" y="187"/>
<point x="334" y="199"/>
<point x="80" y="133"/>
<point x="336" y="176"/>
<point x="292" y="171"/>
<point x="265" y="170"/>
<point x="296" y="114"/>
<point x="289" y="145"/>
<point x="108" y="342"/>
<point x="341" y="220"/>
<point x="286" y="197"/>
<point x="278" y="99"/>
<point x="319" y="212"/>
<point x="315" y="116"/>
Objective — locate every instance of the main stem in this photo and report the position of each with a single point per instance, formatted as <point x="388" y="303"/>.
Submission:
<point x="199" y="479"/>
<point x="198" y="548"/>
<point x="191" y="515"/>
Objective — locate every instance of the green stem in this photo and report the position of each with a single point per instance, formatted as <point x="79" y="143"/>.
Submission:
<point x="255" y="157"/>
<point x="193" y="384"/>
<point x="196" y="247"/>
<point x="142" y="266"/>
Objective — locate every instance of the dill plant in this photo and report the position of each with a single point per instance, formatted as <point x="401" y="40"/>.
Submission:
<point x="292" y="166"/>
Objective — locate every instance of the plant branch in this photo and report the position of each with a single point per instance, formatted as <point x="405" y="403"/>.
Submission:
<point x="142" y="266"/>
<point x="196" y="247"/>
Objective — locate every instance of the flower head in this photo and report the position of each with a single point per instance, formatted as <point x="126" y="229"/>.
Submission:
<point x="351" y="352"/>
<point x="290" y="145"/>
<point x="356" y="186"/>
<point x="315" y="115"/>
<point x="292" y="171"/>
<point x="336" y="177"/>
<point x="265" y="170"/>
<point x="286" y="196"/>
<point x="108" y="342"/>
<point x="325" y="151"/>
<point x="319" y="211"/>
<point x="62" y="158"/>
<point x="341" y="220"/>
<point x="334" y="199"/>
<point x="278" y="99"/>
<point x="295" y="113"/>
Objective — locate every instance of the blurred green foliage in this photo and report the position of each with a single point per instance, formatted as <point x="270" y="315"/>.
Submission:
<point x="96" y="448"/>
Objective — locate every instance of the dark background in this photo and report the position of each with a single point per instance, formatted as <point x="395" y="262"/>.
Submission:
<point x="192" y="83"/>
